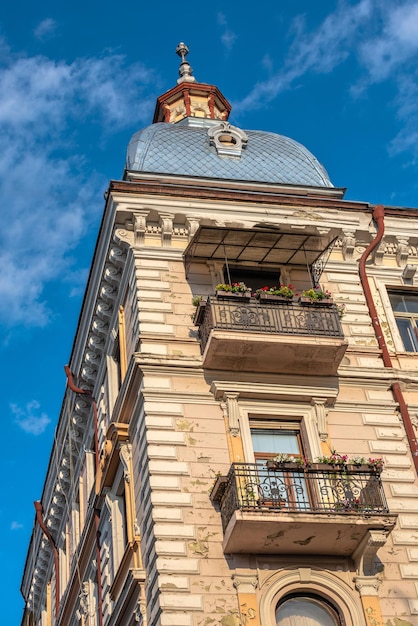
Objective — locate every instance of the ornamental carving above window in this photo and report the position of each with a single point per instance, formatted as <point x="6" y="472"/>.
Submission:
<point x="228" y="140"/>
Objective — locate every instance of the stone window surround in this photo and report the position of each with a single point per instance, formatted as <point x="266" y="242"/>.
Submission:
<point x="310" y="581"/>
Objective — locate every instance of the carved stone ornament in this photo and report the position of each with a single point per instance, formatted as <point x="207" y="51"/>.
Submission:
<point x="245" y="583"/>
<point x="367" y="580"/>
<point x="319" y="405"/>
<point x="380" y="253"/>
<point x="233" y="413"/>
<point x="140" y="226"/>
<point x="166" y="223"/>
<point x="349" y="245"/>
<point x="140" y="613"/>
<point x="228" y="140"/>
<point x="402" y="251"/>
<point x="192" y="226"/>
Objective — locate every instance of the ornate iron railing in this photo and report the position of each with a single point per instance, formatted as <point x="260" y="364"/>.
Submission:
<point x="239" y="314"/>
<point x="333" y="490"/>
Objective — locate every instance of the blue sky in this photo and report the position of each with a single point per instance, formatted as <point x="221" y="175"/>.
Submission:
<point x="78" y="79"/>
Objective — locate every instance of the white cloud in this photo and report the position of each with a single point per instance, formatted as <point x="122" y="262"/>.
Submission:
<point x="45" y="29"/>
<point x="16" y="526"/>
<point x="50" y="192"/>
<point x="29" y="419"/>
<point x="381" y="35"/>
<point x="228" y="37"/>
<point x="319" y="51"/>
<point x="394" y="45"/>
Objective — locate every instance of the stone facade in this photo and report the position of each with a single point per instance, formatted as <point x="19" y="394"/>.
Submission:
<point x="147" y="428"/>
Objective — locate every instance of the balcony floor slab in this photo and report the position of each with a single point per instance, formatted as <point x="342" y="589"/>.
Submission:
<point x="264" y="532"/>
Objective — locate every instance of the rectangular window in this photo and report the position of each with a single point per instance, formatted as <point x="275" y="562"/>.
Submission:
<point x="405" y="310"/>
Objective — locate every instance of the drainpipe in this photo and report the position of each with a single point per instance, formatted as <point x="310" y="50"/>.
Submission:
<point x="84" y="392"/>
<point x="40" y="520"/>
<point x="379" y="217"/>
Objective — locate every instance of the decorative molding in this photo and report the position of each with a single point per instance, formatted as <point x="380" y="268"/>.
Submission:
<point x="228" y="140"/>
<point x="125" y="454"/>
<point x="166" y="222"/>
<point x="348" y="245"/>
<point x="233" y="412"/>
<point x="140" y="226"/>
<point x="245" y="583"/>
<point x="380" y="253"/>
<point x="402" y="251"/>
<point x="192" y="226"/>
<point x="367" y="585"/>
<point x="321" y="412"/>
<point x="364" y="556"/>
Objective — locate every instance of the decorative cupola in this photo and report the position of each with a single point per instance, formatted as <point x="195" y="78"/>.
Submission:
<point x="190" y="98"/>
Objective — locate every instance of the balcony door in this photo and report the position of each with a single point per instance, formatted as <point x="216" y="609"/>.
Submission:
<point x="285" y="488"/>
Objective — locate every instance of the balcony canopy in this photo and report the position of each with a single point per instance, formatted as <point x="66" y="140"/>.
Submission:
<point x="261" y="245"/>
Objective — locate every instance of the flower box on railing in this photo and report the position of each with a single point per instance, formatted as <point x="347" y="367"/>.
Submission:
<point x="199" y="313"/>
<point x="305" y="300"/>
<point x="233" y="294"/>
<point x="283" y="465"/>
<point x="270" y="298"/>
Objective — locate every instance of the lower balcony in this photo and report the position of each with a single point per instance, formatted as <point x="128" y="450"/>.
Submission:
<point x="239" y="334"/>
<point x="292" y="510"/>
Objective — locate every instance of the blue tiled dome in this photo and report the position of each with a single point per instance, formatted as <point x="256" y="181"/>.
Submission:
<point x="184" y="149"/>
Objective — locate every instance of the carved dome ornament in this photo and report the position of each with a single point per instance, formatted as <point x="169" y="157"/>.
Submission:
<point x="228" y="140"/>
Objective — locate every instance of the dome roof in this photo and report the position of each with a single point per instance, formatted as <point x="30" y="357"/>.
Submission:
<point x="186" y="148"/>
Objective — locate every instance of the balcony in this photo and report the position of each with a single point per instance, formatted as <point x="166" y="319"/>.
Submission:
<point x="239" y="334"/>
<point x="292" y="510"/>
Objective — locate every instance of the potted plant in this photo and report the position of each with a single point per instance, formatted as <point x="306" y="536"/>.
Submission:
<point x="283" y="293"/>
<point x="200" y="303"/>
<point x="335" y="460"/>
<point x="224" y="290"/>
<point x="316" y="295"/>
<point x="376" y="465"/>
<point x="282" y="460"/>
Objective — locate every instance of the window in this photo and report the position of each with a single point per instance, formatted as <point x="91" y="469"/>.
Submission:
<point x="405" y="310"/>
<point x="254" y="278"/>
<point x="306" y="610"/>
<point x="288" y="489"/>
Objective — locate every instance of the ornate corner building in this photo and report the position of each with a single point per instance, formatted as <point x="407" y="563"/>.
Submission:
<point x="221" y="464"/>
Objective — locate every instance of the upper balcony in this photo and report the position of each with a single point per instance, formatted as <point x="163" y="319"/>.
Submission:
<point x="292" y="510"/>
<point x="241" y="334"/>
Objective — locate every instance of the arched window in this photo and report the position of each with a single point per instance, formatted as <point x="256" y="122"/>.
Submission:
<point x="304" y="610"/>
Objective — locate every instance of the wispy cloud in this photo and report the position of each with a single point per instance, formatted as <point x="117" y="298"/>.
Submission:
<point x="318" y="51"/>
<point x="50" y="192"/>
<point x="30" y="419"/>
<point x="16" y="526"/>
<point x="45" y="29"/>
<point x="381" y="36"/>
<point x="228" y="37"/>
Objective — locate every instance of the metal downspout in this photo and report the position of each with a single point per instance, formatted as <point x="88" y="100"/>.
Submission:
<point x="84" y="392"/>
<point x="379" y="217"/>
<point x="40" y="520"/>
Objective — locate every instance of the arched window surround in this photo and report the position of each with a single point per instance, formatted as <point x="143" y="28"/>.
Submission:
<point x="312" y="581"/>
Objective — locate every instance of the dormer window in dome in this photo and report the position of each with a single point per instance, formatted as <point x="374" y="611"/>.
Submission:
<point x="228" y="140"/>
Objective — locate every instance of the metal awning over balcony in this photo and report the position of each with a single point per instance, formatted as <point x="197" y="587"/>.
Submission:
<point x="299" y="511"/>
<point x="260" y="245"/>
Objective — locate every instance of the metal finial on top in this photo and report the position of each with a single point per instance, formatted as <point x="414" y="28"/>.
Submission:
<point x="185" y="71"/>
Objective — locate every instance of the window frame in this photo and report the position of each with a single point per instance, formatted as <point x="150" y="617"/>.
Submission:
<point x="410" y="316"/>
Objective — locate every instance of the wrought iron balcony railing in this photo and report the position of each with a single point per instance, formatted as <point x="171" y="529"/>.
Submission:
<point x="238" y="314"/>
<point x="329" y="490"/>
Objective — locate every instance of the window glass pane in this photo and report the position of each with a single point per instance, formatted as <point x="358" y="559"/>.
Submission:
<point x="397" y="302"/>
<point x="305" y="612"/>
<point x="273" y="440"/>
<point x="404" y="303"/>
<point x="407" y="332"/>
